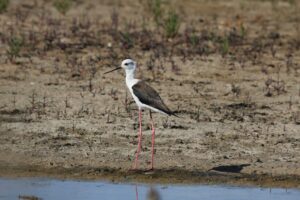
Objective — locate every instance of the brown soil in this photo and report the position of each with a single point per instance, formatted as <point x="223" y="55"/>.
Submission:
<point x="232" y="73"/>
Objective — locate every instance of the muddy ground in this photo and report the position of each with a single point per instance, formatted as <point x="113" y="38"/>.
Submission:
<point x="231" y="72"/>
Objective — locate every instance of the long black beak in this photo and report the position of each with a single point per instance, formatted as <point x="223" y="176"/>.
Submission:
<point x="113" y="70"/>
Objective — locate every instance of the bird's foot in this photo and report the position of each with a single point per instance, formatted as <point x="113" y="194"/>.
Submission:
<point x="134" y="167"/>
<point x="149" y="170"/>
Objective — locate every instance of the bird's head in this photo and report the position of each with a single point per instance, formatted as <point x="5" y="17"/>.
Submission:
<point x="127" y="64"/>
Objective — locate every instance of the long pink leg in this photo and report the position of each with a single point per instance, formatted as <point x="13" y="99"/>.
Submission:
<point x="139" y="140"/>
<point x="153" y="141"/>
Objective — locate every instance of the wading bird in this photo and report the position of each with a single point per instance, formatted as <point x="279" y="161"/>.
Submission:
<point x="146" y="98"/>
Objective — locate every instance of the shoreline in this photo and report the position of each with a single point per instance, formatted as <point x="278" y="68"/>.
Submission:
<point x="160" y="176"/>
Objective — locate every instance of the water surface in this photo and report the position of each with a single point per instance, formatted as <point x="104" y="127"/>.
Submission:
<point x="49" y="189"/>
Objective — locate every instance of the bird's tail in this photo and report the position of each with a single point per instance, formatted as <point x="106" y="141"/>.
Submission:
<point x="174" y="113"/>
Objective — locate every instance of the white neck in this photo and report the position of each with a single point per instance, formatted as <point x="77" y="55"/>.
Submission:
<point x="129" y="74"/>
<point x="130" y="80"/>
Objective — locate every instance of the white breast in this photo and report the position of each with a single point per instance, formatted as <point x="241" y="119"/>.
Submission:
<point x="130" y="83"/>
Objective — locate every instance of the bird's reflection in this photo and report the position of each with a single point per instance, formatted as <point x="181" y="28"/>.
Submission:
<point x="152" y="194"/>
<point x="136" y="193"/>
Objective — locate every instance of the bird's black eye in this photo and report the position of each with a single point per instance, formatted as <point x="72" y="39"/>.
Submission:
<point x="126" y="64"/>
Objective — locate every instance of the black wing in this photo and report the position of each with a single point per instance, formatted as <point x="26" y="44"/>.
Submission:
<point x="147" y="95"/>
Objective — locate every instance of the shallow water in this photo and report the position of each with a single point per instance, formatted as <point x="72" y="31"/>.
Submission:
<point x="49" y="189"/>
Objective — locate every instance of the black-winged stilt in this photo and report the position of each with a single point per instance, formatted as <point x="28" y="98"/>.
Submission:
<point x="145" y="97"/>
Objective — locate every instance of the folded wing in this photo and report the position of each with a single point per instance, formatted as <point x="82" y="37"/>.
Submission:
<point x="147" y="95"/>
